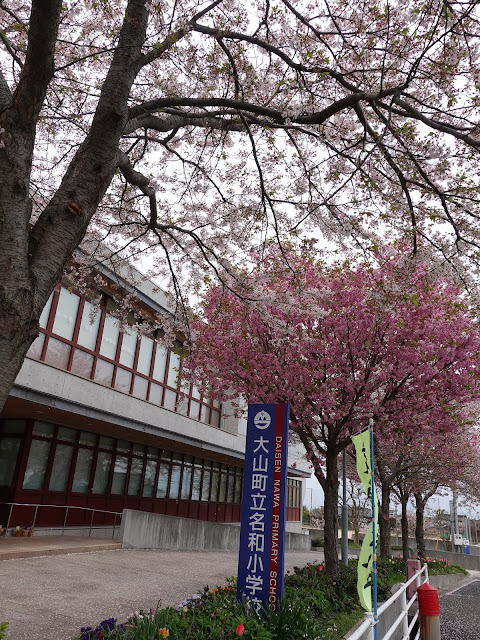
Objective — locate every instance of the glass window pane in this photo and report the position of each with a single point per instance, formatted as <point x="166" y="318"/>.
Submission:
<point x="205" y="417"/>
<point x="104" y="372"/>
<point x="197" y="484"/>
<point x="135" y="481"/>
<point x="58" y="353"/>
<point x="82" y="364"/>
<point x="152" y="452"/>
<point x="186" y="480"/>
<point x="156" y="394"/>
<point x="36" y="348"/>
<point x="66" y="314"/>
<point x="215" y="418"/>
<point x="108" y="347"/>
<point x="160" y="362"/>
<point x="145" y="355"/>
<point x="238" y="488"/>
<point x="127" y="351"/>
<point x="173" y="369"/>
<point x="162" y="483"/>
<point x="12" y="425"/>
<point x="194" y="409"/>
<point x="174" y="482"/>
<point x="206" y="484"/>
<point x="140" y="387"/>
<point x="214" y="491"/>
<point x="123" y="380"/>
<point x="170" y="399"/>
<point x="106" y="442"/>
<point x="83" y="467"/>
<point x="102" y="472"/>
<point x="87" y="336"/>
<point x="223" y="487"/>
<point x="88" y="438"/>
<point x="149" y="482"/>
<point x="119" y="475"/>
<point x="46" y="312"/>
<point x="9" y="448"/>
<point x="231" y="487"/>
<point x="123" y="445"/>
<point x="43" y="429"/>
<point x="139" y="448"/>
<point x="61" y="467"/>
<point x="182" y="405"/>
<point x="36" y="465"/>
<point x="65" y="433"/>
<point x="195" y="392"/>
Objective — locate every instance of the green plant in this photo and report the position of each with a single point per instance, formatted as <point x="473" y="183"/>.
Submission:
<point x="317" y="542"/>
<point x="3" y="629"/>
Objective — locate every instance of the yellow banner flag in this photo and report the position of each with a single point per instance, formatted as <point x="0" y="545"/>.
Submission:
<point x="365" y="560"/>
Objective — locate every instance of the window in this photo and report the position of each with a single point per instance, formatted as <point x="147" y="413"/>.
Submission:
<point x="83" y="467"/>
<point x="87" y="336"/>
<point x="119" y="475"/>
<point x="66" y="314"/>
<point x="102" y="472"/>
<point x="135" y="481"/>
<point x="37" y="464"/>
<point x="9" y="448"/>
<point x="61" y="467"/>
<point x="86" y="340"/>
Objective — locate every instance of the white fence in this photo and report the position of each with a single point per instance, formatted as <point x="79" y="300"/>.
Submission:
<point x="393" y="613"/>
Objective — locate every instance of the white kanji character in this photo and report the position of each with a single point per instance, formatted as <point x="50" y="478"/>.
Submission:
<point x="261" y="444"/>
<point x="258" y="461"/>
<point x="256" y="541"/>
<point x="259" y="481"/>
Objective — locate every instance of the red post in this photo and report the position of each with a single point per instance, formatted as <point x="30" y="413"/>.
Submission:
<point x="428" y="612"/>
<point x="412" y="567"/>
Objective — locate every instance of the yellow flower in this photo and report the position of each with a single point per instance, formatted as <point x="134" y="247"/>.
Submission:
<point x="163" y="632"/>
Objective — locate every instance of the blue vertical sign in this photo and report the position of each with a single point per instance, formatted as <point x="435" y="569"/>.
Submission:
<point x="261" y="558"/>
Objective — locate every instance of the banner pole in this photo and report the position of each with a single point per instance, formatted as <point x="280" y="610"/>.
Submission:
<point x="375" y="613"/>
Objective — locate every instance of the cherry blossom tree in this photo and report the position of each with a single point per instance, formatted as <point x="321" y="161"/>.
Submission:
<point x="419" y="466"/>
<point x="341" y="344"/>
<point x="197" y="129"/>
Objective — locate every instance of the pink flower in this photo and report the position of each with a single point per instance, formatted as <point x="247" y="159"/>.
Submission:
<point x="240" y="630"/>
<point x="320" y="567"/>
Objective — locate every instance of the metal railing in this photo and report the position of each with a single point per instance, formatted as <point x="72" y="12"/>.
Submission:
<point x="402" y="618"/>
<point x="67" y="508"/>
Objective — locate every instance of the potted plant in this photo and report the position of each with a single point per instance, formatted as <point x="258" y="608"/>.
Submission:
<point x="31" y="530"/>
<point x="16" y="531"/>
<point x="1" y="530"/>
<point x="25" y="532"/>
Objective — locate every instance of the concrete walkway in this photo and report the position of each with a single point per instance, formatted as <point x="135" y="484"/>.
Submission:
<point x="53" y="596"/>
<point x="12" y="547"/>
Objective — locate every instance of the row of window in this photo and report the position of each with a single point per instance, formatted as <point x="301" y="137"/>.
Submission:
<point x="86" y="340"/>
<point x="69" y="460"/>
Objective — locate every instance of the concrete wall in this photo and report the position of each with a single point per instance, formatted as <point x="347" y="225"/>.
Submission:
<point x="142" y="530"/>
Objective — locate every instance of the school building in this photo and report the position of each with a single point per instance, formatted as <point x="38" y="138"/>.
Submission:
<point x="99" y="418"/>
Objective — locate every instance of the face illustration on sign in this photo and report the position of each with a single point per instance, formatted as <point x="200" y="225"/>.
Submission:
<point x="262" y="420"/>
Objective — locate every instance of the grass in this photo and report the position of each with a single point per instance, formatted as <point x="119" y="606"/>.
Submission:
<point x="316" y="606"/>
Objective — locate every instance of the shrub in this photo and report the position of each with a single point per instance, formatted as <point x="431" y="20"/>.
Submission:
<point x="317" y="542"/>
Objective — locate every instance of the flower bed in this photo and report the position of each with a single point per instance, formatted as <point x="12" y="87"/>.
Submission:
<point x="316" y="606"/>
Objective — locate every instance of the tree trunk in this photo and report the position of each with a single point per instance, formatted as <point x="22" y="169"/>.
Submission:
<point x="16" y="336"/>
<point x="404" y="523"/>
<point x="384" y="523"/>
<point x="420" y="525"/>
<point x="331" y="513"/>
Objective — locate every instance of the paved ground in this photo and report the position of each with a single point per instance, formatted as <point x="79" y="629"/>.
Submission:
<point x="53" y="596"/>
<point x="460" y="610"/>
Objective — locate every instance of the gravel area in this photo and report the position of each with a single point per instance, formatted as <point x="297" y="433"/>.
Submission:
<point x="53" y="596"/>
